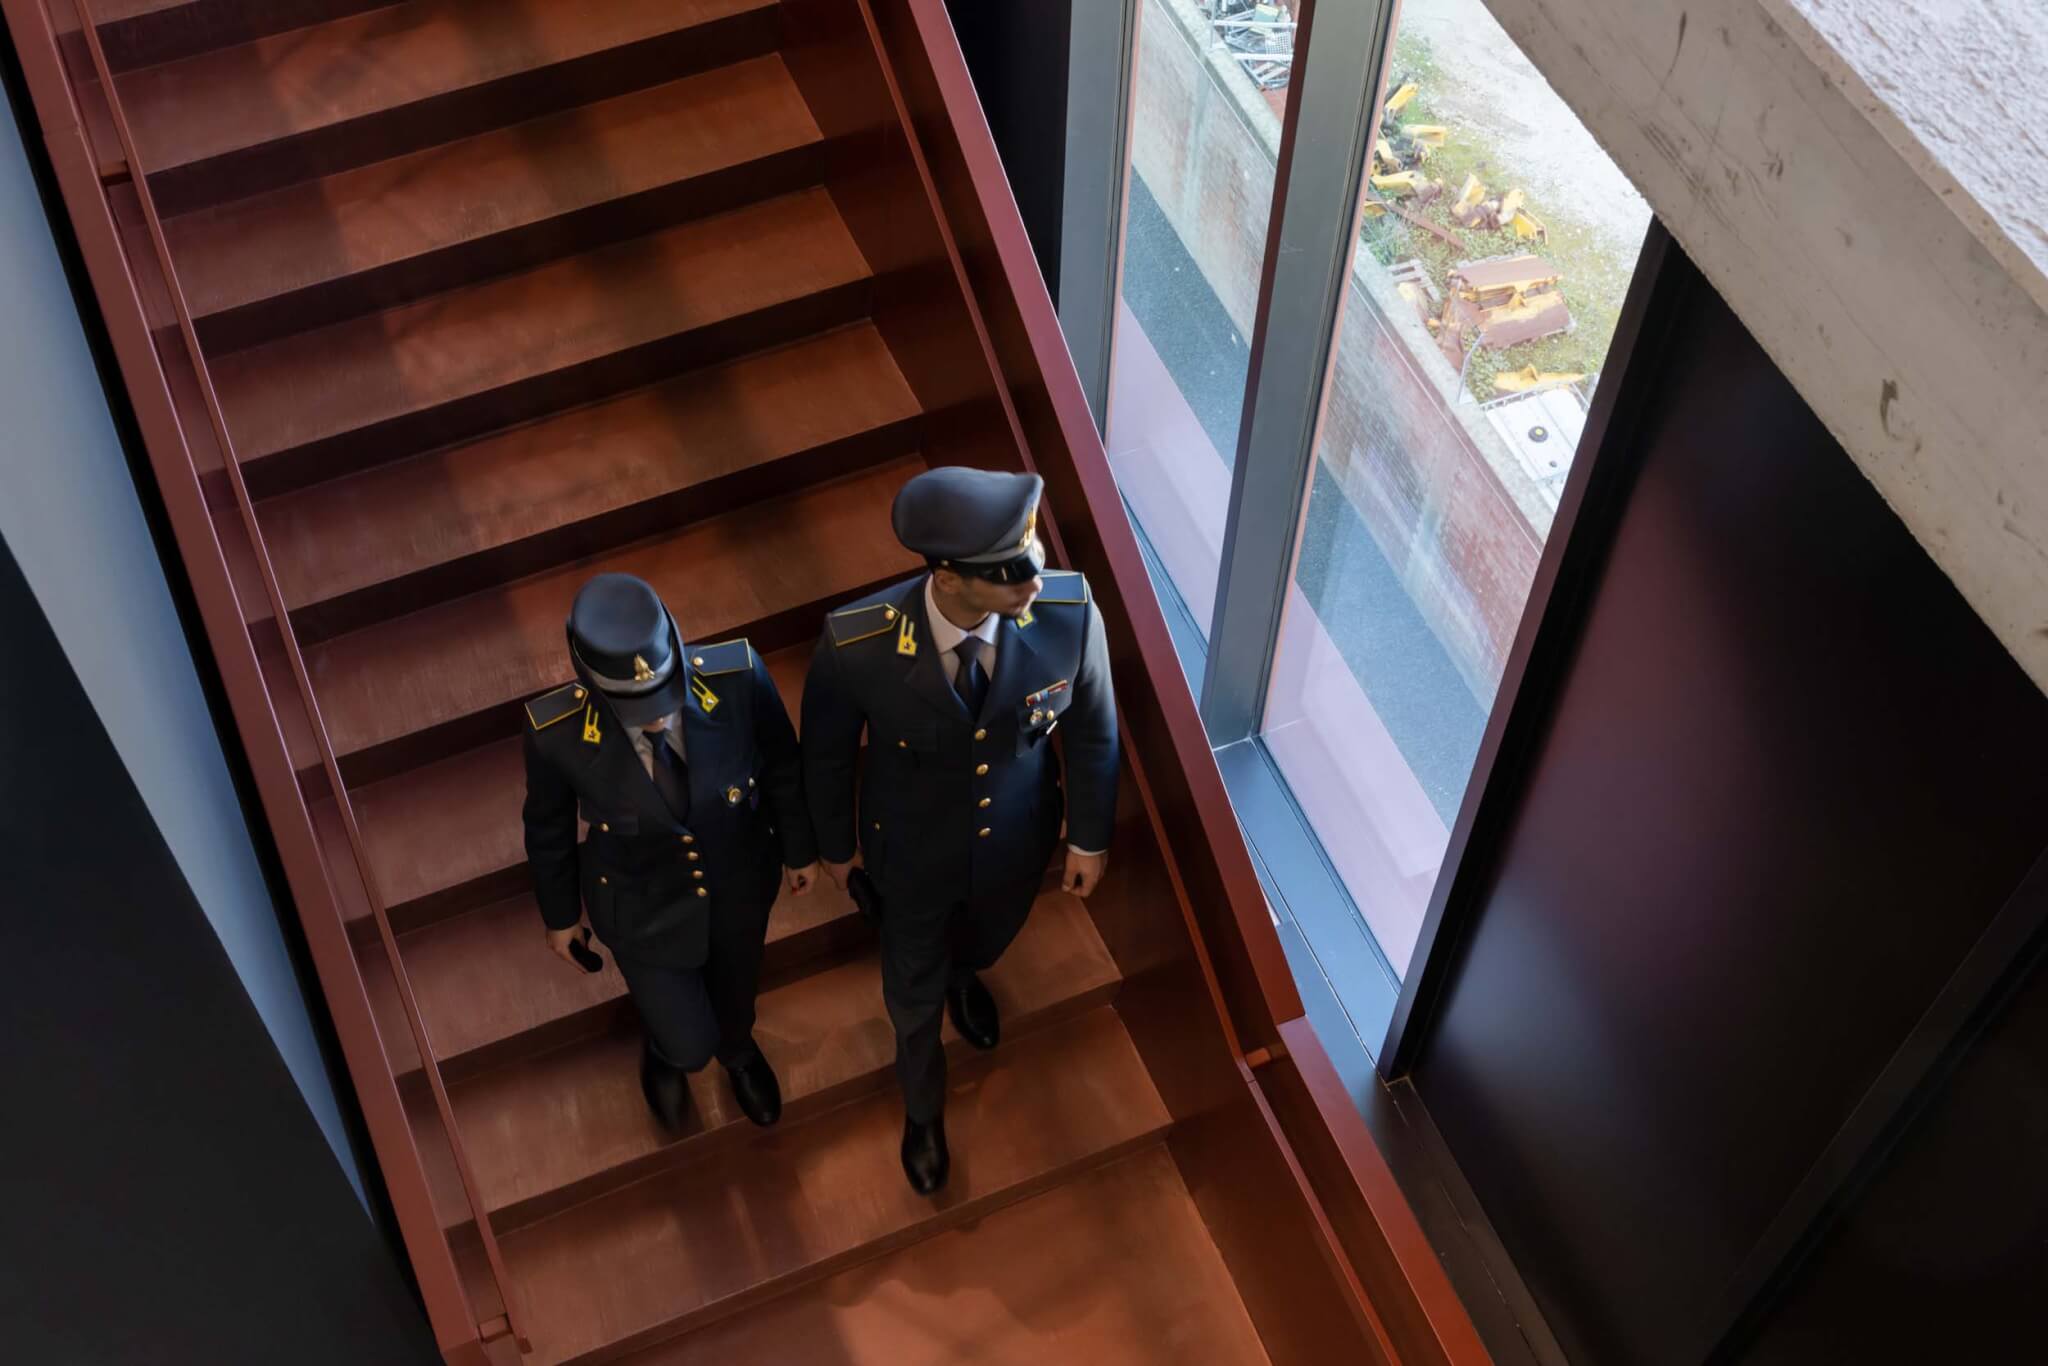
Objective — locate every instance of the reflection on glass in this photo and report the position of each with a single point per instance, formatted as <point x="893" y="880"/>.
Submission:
<point x="1208" y="90"/>
<point x="1496" y="242"/>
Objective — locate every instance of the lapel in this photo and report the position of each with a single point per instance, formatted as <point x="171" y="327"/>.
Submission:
<point x="1016" y="668"/>
<point x="616" y="767"/>
<point x="924" y="676"/>
<point x="703" y="734"/>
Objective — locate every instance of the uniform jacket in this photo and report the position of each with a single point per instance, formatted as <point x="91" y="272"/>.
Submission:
<point x="651" y="882"/>
<point x="953" y="806"/>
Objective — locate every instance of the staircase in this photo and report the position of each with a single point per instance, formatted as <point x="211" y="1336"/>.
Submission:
<point x="425" y="311"/>
<point x="493" y="295"/>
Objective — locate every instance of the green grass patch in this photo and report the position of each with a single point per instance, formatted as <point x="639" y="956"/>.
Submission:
<point x="1593" y="281"/>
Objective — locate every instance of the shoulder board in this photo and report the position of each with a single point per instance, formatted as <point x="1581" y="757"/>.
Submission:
<point x="1063" y="585"/>
<point x="726" y="657"/>
<point x="559" y="705"/>
<point x="858" y="623"/>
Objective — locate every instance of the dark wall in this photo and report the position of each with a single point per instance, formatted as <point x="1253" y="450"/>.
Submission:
<point x="1017" y="53"/>
<point x="1945" y="1257"/>
<point x="1786" y="780"/>
<point x="167" y="1194"/>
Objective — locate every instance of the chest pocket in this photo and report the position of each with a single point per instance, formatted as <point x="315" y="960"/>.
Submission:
<point x="609" y="820"/>
<point x="1040" y="712"/>
<point x="917" y="741"/>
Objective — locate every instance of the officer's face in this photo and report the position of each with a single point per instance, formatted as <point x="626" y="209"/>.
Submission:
<point x="1004" y="599"/>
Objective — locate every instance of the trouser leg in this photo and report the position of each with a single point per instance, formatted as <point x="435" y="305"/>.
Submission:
<point x="676" y="1010"/>
<point x="732" y="977"/>
<point x="984" y="929"/>
<point x="916" y="958"/>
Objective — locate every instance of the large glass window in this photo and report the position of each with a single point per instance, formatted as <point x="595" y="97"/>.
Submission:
<point x="1496" y="242"/>
<point x="1209" y="87"/>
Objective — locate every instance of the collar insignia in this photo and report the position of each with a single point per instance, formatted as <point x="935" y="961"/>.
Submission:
<point x="906" y="636"/>
<point x="591" y="734"/>
<point x="706" y="698"/>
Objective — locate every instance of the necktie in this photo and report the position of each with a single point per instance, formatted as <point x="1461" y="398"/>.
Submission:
<point x="972" y="681"/>
<point x="671" y="776"/>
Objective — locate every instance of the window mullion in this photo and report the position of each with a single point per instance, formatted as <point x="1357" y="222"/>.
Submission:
<point x="1332" y="115"/>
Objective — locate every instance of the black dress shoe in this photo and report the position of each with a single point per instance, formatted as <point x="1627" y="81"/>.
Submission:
<point x="755" y="1087"/>
<point x="974" y="1012"/>
<point x="667" y="1090"/>
<point x="925" y="1159"/>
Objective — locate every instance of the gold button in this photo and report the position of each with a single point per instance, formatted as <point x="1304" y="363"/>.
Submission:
<point x="689" y="839"/>
<point x="981" y="735"/>
<point x="980" y="769"/>
<point x="888" y="614"/>
<point x="984" y="832"/>
<point x="603" y="881"/>
<point x="697" y="873"/>
<point x="983" y="802"/>
<point x="878" y="825"/>
<point x="750" y="782"/>
<point x="606" y="828"/>
<point x="703" y="891"/>
<point x="693" y="856"/>
<point x="903" y="744"/>
<point x="579" y="694"/>
<point x="698" y="660"/>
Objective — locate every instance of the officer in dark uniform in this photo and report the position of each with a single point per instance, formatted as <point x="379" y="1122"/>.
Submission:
<point x="960" y="677"/>
<point x="685" y="768"/>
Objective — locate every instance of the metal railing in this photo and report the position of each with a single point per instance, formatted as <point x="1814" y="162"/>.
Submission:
<point x="511" y="1319"/>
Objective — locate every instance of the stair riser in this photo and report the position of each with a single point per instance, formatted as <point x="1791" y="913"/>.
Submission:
<point x="952" y="1216"/>
<point x="395" y="597"/>
<point x="424" y="746"/>
<point x="462" y="113"/>
<point x="473" y="416"/>
<point x="457" y="899"/>
<point x="782" y="959"/>
<point x="170" y="34"/>
<point x="963" y="1061"/>
<point x="517" y="249"/>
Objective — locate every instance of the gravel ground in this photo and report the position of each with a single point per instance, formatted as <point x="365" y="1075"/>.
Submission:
<point x="1483" y="81"/>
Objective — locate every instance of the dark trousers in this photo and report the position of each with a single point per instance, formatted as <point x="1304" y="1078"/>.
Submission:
<point x="925" y="949"/>
<point x="695" y="1014"/>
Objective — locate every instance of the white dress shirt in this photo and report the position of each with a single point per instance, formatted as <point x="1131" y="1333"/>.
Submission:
<point x="947" y="637"/>
<point x="643" y="743"/>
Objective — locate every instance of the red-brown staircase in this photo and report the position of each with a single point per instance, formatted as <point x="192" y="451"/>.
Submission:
<point x="491" y="295"/>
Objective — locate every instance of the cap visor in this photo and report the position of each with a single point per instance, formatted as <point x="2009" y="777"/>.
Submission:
<point x="648" y="707"/>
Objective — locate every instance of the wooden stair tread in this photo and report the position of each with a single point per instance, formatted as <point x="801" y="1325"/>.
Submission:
<point x="314" y="232"/>
<point x="548" y="1123"/>
<point x="291" y="83"/>
<point x="815" y="546"/>
<point x="423" y="355"/>
<point x="455" y="822"/>
<point x="485" y="981"/>
<point x="661" y="1256"/>
<point x="404" y="518"/>
<point x="1113" y="1268"/>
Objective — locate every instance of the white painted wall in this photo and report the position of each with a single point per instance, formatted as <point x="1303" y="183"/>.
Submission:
<point x="1863" y="182"/>
<point x="70" y="514"/>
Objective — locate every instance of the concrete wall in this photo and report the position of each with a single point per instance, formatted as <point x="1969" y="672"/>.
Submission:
<point x="70" y="514"/>
<point x="1446" y="503"/>
<point x="1807" y="154"/>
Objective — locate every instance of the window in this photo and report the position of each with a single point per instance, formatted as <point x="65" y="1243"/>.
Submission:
<point x="1430" y="328"/>
<point x="1209" y="87"/>
<point x="1495" y="243"/>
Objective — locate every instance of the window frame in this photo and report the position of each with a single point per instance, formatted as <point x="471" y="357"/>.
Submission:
<point x="1332" y="115"/>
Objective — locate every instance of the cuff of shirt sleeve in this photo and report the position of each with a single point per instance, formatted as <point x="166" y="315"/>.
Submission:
<point x="1086" y="853"/>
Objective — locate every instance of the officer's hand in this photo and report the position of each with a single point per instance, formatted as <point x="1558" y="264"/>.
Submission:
<point x="1083" y="872"/>
<point x="560" y="940"/>
<point x="838" y="871"/>
<point x="800" y="879"/>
